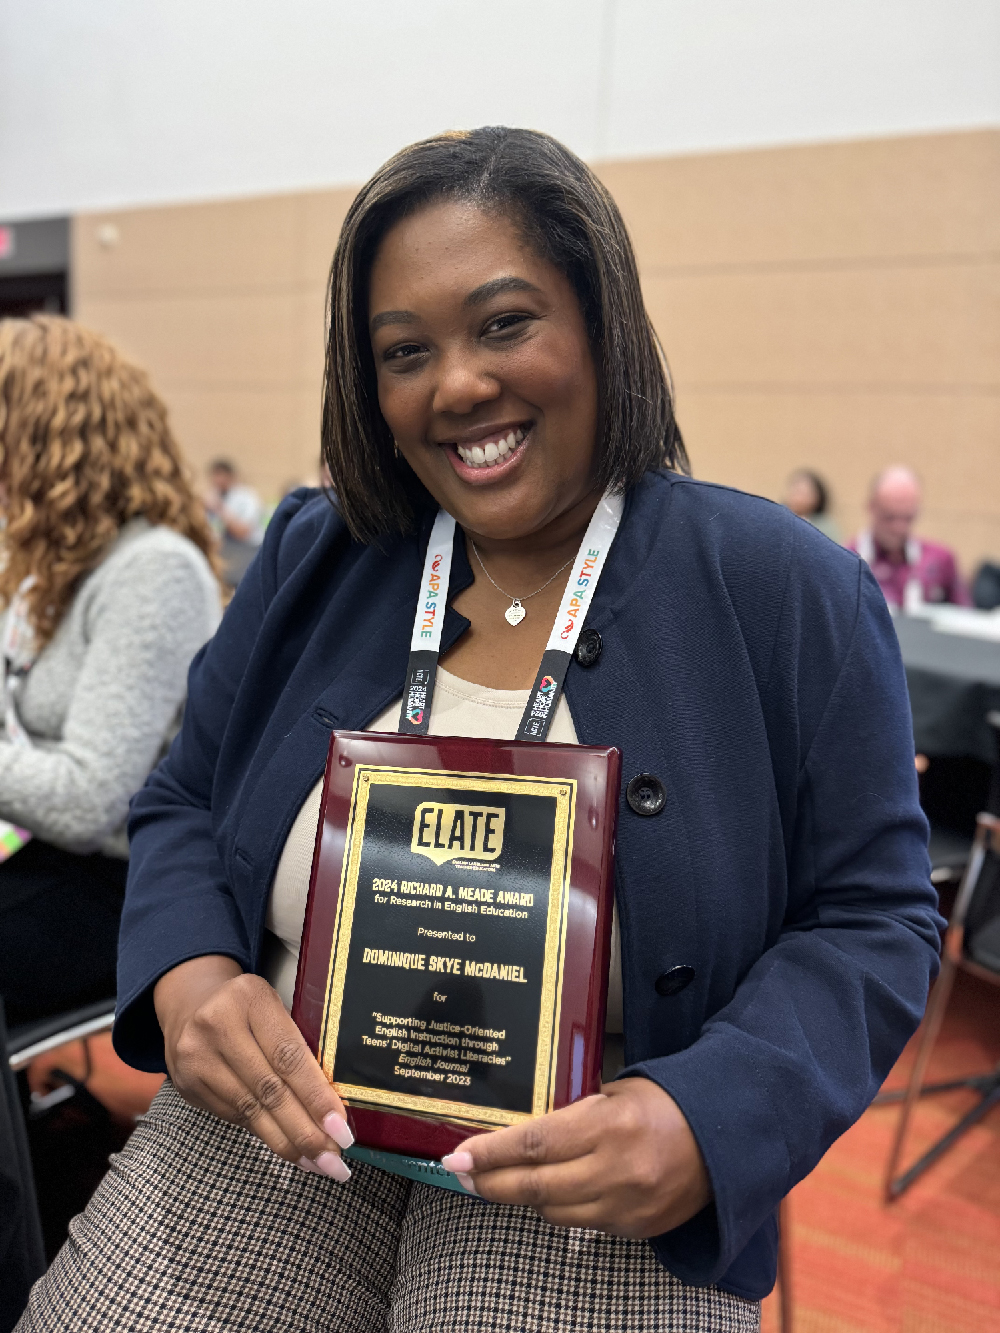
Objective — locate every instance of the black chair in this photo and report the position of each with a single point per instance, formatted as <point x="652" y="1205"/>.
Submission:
<point x="972" y="944"/>
<point x="986" y="586"/>
<point x="949" y="852"/>
<point x="30" y="1040"/>
<point x="22" y="1252"/>
<point x="69" y="1134"/>
<point x="961" y="788"/>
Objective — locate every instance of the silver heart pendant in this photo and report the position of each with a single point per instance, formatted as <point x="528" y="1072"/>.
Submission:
<point x="515" y="613"/>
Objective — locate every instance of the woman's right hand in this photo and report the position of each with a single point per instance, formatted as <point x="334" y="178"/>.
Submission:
<point x="232" y="1049"/>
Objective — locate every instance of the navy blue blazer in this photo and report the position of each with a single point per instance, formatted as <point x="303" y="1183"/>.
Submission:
<point x="751" y="665"/>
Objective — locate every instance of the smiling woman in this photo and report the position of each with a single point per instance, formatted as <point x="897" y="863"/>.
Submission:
<point x="560" y="255"/>
<point x="492" y="375"/>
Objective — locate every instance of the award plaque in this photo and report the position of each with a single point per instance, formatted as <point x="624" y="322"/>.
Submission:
<point x="454" y="961"/>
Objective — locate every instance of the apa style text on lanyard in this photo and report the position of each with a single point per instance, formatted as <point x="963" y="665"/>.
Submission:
<point x="425" y="642"/>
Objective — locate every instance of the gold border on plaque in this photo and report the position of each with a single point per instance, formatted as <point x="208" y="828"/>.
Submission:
<point x="547" y="1051"/>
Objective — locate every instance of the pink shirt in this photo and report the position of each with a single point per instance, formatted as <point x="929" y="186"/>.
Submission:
<point x="931" y="566"/>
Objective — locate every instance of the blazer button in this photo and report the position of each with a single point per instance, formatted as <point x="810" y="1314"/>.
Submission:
<point x="588" y="648"/>
<point x="674" y="981"/>
<point x="645" y="794"/>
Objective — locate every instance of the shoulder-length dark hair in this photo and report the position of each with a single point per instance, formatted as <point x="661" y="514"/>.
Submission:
<point x="570" y="219"/>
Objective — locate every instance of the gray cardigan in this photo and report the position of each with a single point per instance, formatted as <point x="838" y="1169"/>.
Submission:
<point x="103" y="700"/>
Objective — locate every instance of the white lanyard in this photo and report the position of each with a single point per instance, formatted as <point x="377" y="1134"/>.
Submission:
<point x="425" y="642"/>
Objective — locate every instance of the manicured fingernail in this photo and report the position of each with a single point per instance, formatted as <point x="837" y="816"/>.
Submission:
<point x="333" y="1166"/>
<point x="304" y="1164"/>
<point x="466" y="1182"/>
<point x="457" y="1161"/>
<point x="338" y="1129"/>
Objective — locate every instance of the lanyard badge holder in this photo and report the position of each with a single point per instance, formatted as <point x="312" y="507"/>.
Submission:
<point x="454" y="961"/>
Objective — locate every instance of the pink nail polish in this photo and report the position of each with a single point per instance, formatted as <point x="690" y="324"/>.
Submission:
<point x="304" y="1164"/>
<point x="457" y="1161"/>
<point x="338" y="1129"/>
<point x="333" y="1166"/>
<point x="466" y="1182"/>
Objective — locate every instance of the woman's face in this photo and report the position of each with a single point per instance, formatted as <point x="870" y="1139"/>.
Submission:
<point x="801" y="496"/>
<point x="485" y="375"/>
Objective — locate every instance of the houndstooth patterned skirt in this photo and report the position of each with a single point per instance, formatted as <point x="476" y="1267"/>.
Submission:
<point x="198" y="1226"/>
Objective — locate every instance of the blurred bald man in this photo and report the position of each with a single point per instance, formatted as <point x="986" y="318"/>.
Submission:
<point x="909" y="569"/>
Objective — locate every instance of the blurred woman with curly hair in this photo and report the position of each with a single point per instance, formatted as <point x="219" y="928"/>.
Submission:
<point x="108" y="589"/>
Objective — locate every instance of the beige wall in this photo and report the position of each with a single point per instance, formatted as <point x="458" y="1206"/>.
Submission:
<point x="224" y="304"/>
<point x="835" y="306"/>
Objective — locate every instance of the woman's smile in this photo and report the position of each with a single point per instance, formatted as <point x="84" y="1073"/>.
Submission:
<point x="490" y="455"/>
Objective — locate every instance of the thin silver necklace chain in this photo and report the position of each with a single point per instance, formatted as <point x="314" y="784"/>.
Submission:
<point x="516" y="612"/>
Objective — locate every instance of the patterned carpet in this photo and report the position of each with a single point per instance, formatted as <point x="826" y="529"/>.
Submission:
<point x="929" y="1263"/>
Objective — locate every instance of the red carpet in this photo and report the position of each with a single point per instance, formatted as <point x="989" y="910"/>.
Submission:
<point x="929" y="1263"/>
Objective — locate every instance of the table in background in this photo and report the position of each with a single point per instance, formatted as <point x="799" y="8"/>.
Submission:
<point x="954" y="681"/>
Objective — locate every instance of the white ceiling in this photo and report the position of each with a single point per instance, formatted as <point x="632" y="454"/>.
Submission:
<point x="119" y="102"/>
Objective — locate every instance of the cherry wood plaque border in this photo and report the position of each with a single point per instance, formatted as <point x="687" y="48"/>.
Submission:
<point x="596" y="771"/>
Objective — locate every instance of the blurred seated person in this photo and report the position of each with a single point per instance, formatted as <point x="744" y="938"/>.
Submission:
<point x="320" y="479"/>
<point x="236" y="512"/>
<point x="806" y="494"/>
<point x="986" y="586"/>
<point x="908" y="569"/>
<point x="108" y="592"/>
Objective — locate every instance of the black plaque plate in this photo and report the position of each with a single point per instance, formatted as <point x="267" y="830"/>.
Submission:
<point x="446" y="969"/>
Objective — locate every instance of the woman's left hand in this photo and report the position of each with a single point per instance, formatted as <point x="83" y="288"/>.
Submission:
<point x="623" y="1161"/>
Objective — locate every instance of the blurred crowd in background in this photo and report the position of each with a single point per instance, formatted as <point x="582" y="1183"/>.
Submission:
<point x="911" y="568"/>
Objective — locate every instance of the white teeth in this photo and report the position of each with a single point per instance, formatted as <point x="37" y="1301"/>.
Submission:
<point x="489" y="455"/>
